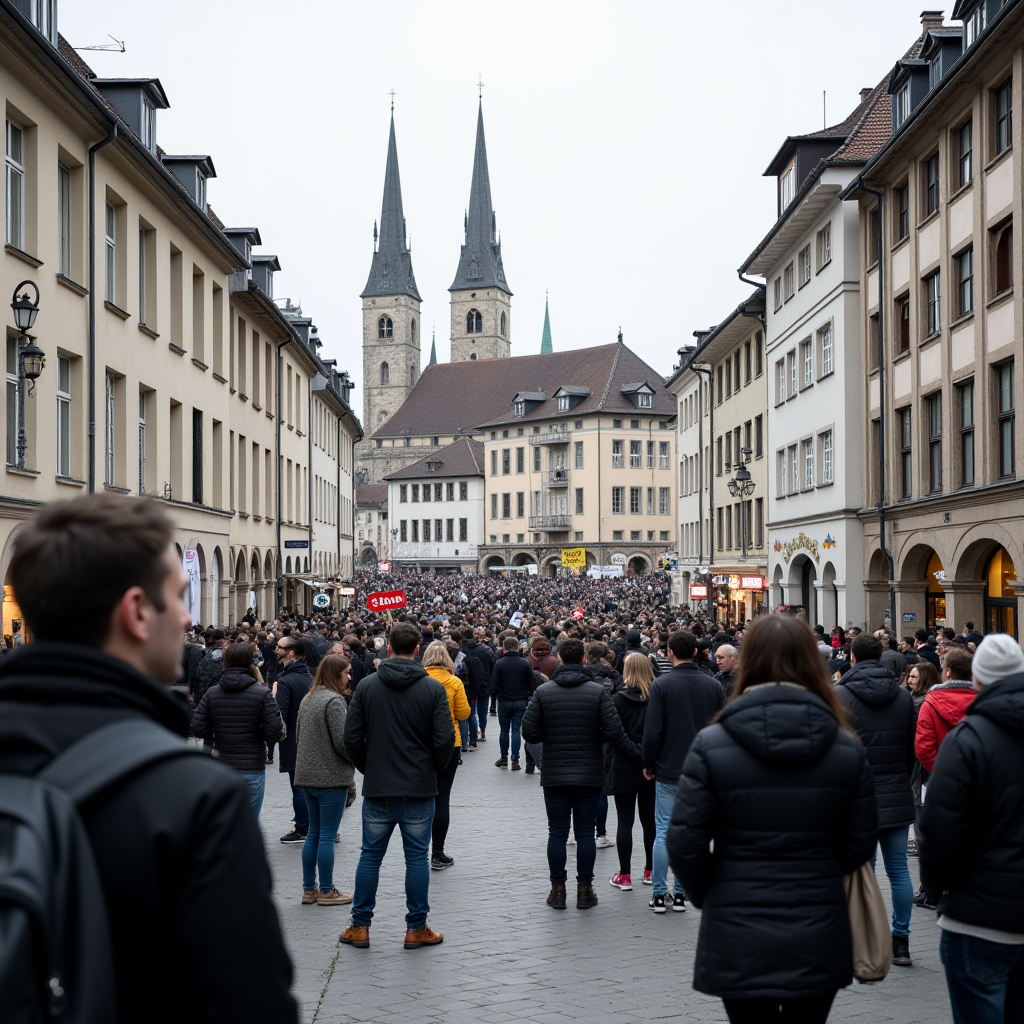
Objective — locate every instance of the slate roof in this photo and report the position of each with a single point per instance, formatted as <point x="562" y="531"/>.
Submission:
<point x="373" y="496"/>
<point x="463" y="457"/>
<point x="463" y="397"/>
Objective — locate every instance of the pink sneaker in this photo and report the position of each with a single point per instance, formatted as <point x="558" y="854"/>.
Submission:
<point x="647" y="878"/>
<point x="620" y="881"/>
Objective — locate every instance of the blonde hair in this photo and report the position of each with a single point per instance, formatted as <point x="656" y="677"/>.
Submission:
<point x="638" y="673"/>
<point x="437" y="654"/>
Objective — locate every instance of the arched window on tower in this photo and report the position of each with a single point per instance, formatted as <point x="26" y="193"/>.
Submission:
<point x="412" y="374"/>
<point x="412" y="330"/>
<point x="503" y="325"/>
<point x="385" y="374"/>
<point x="385" y="329"/>
<point x="474" y="322"/>
<point x="382" y="417"/>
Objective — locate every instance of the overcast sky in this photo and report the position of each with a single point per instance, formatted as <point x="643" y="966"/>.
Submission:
<point x="626" y="142"/>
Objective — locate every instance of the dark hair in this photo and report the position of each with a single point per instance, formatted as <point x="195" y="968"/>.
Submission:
<point x="570" y="651"/>
<point x="866" y="647"/>
<point x="328" y="674"/>
<point x="921" y="635"/>
<point x="405" y="638"/>
<point x="239" y="655"/>
<point x="74" y="561"/>
<point x="927" y="677"/>
<point x="597" y="652"/>
<point x="948" y="632"/>
<point x="683" y="644"/>
<point x="969" y="625"/>
<point x="510" y="643"/>
<point x="957" y="662"/>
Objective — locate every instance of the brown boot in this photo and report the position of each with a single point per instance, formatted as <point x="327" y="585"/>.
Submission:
<point x="556" y="898"/>
<point x="585" y="897"/>
<point x="333" y="898"/>
<point x="357" y="935"/>
<point x="417" y="937"/>
<point x="310" y="895"/>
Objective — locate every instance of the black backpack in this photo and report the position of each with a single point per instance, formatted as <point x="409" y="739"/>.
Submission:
<point x="56" y="955"/>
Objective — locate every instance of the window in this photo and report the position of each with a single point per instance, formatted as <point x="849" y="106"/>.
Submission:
<point x="933" y="304"/>
<point x="808" y="459"/>
<point x="777" y="292"/>
<point x="64" y="220"/>
<point x="965" y="282"/>
<point x="644" y="400"/>
<point x="728" y="529"/>
<point x="906" y="439"/>
<point x="718" y="444"/>
<point x="197" y="457"/>
<point x="449" y="530"/>
<point x="873" y="339"/>
<point x="616" y="424"/>
<point x="1005" y="404"/>
<point x="1004" y="116"/>
<point x="759" y="535"/>
<point x="933" y="410"/>
<point x="503" y="325"/>
<point x="903" y="324"/>
<point x="463" y="529"/>
<point x="736" y="371"/>
<point x="650" y="502"/>
<point x="728" y="450"/>
<point x="965" y="153"/>
<point x="872" y="238"/>
<point x="901" y="106"/>
<point x="536" y="460"/>
<point x="520" y="504"/>
<point x="634" y="500"/>
<point x="931" y="184"/>
<point x="780" y="382"/>
<point x="791" y="373"/>
<point x="650" y="455"/>
<point x="902" y="197"/>
<point x="663" y="455"/>
<point x="1003" y="248"/>
<point x="579" y="501"/>
<point x="787" y="188"/>
<point x="110" y="434"/>
<point x="449" y="492"/>
<point x="416" y="492"/>
<point x="426" y="492"/>
<point x="747" y="364"/>
<point x="805" y="265"/>
<point x="825" y="350"/>
<point x="506" y="462"/>
<point x="966" y="403"/>
<point x="64" y="417"/>
<point x="758" y="354"/>
<point x="403" y="492"/>
<point x="617" y="460"/>
<point x="506" y="506"/>
<point x="426" y="531"/>
<point x="520" y="459"/>
<point x="794" y="470"/>
<point x="437" y="492"/>
<point x="403" y="530"/>
<point x="474" y="322"/>
<point x="758" y="436"/>
<point x="579" y="454"/>
<point x="519" y="408"/>
<point x="789" y="276"/>
<point x="807" y="362"/>
<point x="463" y="491"/>
<point x="974" y="24"/>
<point x="415" y="531"/>
<point x="780" y="473"/>
<point x="494" y="506"/>
<point x="385" y="328"/>
<point x="563" y="403"/>
<point x="385" y="375"/>
<point x="494" y="461"/>
<point x="142" y="437"/>
<point x="618" y="500"/>
<point x="719" y="377"/>
<point x="825" y="246"/>
<point x="15" y="185"/>
<point x="110" y="248"/>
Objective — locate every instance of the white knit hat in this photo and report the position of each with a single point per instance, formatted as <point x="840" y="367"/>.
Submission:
<point x="998" y="656"/>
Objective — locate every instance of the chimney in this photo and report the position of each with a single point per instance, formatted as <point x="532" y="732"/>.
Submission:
<point x="931" y="19"/>
<point x="864" y="94"/>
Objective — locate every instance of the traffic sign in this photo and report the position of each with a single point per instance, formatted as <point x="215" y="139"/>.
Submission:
<point x="321" y="601"/>
<point x="385" y="600"/>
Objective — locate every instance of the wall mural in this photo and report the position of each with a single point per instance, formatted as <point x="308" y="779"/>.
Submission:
<point x="791" y="547"/>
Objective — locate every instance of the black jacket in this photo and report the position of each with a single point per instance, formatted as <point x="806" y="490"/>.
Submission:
<point x="607" y="677"/>
<point x="883" y="715"/>
<point x="182" y="831"/>
<point x="682" y="702"/>
<point x="929" y="654"/>
<point x="512" y="678"/>
<point x="786" y="798"/>
<point x="478" y="669"/>
<point x="624" y="775"/>
<point x="293" y="683"/>
<point x="972" y="822"/>
<point x="485" y="655"/>
<point x="399" y="731"/>
<point x="241" y="717"/>
<point x="573" y="717"/>
<point x="208" y="673"/>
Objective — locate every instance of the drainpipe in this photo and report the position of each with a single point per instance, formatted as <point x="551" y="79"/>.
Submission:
<point x="91" y="372"/>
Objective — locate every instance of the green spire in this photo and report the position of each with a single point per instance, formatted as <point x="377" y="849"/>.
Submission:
<point x="545" y="340"/>
<point x="433" y="349"/>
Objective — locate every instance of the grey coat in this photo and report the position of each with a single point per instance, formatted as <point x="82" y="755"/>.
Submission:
<point x="321" y="760"/>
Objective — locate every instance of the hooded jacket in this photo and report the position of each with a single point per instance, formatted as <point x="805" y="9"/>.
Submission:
<point x="972" y="822"/>
<point x="541" y="659"/>
<point x="607" y="677"/>
<point x="883" y="715"/>
<point x="241" y="717"/>
<point x="775" y="804"/>
<point x="624" y="775"/>
<point x="944" y="705"/>
<point x="573" y="716"/>
<point x="399" y="731"/>
<point x="293" y="683"/>
<point x="456" y="694"/>
<point x="208" y="673"/>
<point x="183" y="831"/>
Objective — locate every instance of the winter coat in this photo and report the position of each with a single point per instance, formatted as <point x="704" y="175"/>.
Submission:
<point x="607" y="677"/>
<point x="573" y="716"/>
<point x="476" y="675"/>
<point x="293" y="683"/>
<point x="182" y="830"/>
<point x="485" y="655"/>
<point x="399" y="731"/>
<point x="972" y="822"/>
<point x="208" y="673"/>
<point x="929" y="654"/>
<point x="681" y="703"/>
<point x="191" y="659"/>
<point x="894" y="662"/>
<point x="321" y="760"/>
<point x="786" y="798"/>
<point x="240" y="716"/>
<point x="944" y="705"/>
<point x="624" y="775"/>
<point x="458" y="703"/>
<point x="725" y="681"/>
<point x="541" y="659"/>
<point x="512" y="678"/>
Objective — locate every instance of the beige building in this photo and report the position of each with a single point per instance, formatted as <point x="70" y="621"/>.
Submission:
<point x="942" y="463"/>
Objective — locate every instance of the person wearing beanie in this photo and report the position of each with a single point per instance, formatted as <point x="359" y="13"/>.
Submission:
<point x="971" y="844"/>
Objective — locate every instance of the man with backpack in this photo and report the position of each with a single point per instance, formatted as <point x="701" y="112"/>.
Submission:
<point x="164" y="853"/>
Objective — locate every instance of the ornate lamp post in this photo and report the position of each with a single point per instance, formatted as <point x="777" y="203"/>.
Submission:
<point x="31" y="358"/>
<point x="742" y="486"/>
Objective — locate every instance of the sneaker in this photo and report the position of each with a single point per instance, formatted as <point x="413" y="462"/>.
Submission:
<point x="502" y="762"/>
<point x="920" y="897"/>
<point x="357" y="935"/>
<point x="310" y="895"/>
<point x="293" y="838"/>
<point x="657" y="904"/>
<point x="516" y="766"/>
<point x="415" y="938"/>
<point x="679" y="903"/>
<point x="901" y="951"/>
<point x="481" y="738"/>
<point x="471" y="748"/>
<point x="603" y="842"/>
<point x="270" y="760"/>
<point x="530" y="769"/>
<point x="556" y="898"/>
<point x="647" y="878"/>
<point x="333" y="898"/>
<point x="585" y="897"/>
<point x="440" y="862"/>
<point x="621" y="881"/>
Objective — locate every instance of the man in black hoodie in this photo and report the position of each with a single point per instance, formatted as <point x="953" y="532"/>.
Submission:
<point x="294" y="681"/>
<point x="883" y="715"/>
<point x="399" y="734"/>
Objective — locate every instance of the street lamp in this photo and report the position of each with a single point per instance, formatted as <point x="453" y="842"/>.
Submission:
<point x="742" y="486"/>
<point x="31" y="358"/>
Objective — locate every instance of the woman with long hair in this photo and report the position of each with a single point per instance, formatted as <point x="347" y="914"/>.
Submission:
<point x="439" y="665"/>
<point x="775" y="805"/>
<point x="631" y="790"/>
<point x="326" y="775"/>
<point x="919" y="678"/>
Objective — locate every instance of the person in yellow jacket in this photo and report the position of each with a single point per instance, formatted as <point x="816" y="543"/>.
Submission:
<point x="438" y="663"/>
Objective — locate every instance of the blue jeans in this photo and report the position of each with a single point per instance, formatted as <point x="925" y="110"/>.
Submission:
<point x="579" y="803"/>
<point x="985" y="979"/>
<point x="325" y="807"/>
<point x="510" y="713"/>
<point x="257" y="783"/>
<point x="664" y="798"/>
<point x="468" y="726"/>
<point x="299" y="813"/>
<point x="893" y="842"/>
<point x="413" y="816"/>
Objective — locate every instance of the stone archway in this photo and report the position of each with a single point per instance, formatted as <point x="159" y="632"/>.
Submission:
<point x="920" y="584"/>
<point x="778" y="585"/>
<point x="828" y="605"/>
<point x="639" y="565"/>
<point x="494" y="562"/>
<point x="803" y="574"/>
<point x="523" y="558"/>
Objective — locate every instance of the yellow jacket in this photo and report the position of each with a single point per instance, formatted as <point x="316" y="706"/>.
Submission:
<point x="456" y="696"/>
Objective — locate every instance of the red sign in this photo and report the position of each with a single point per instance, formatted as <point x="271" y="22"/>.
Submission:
<point x="578" y="614"/>
<point x="698" y="591"/>
<point x="752" y="583"/>
<point x="385" y="600"/>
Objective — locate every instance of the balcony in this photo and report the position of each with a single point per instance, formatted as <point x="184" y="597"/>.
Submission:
<point x="558" y="477"/>
<point x="550" y="522"/>
<point x="554" y="437"/>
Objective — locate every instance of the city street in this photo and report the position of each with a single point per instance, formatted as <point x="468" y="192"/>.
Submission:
<point x="508" y="957"/>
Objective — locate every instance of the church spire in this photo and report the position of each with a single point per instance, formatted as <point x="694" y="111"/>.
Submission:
<point x="433" y="348"/>
<point x="545" y="338"/>
<point x="391" y="269"/>
<point x="480" y="262"/>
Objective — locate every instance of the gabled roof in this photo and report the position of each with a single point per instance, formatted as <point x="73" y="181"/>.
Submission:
<point x="463" y="457"/>
<point x="575" y="392"/>
<point x="150" y="86"/>
<point x="371" y="496"/>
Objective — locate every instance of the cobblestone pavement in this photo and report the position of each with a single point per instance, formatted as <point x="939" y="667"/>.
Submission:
<point x="506" y="956"/>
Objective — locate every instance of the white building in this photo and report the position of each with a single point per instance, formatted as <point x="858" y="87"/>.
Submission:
<point x="436" y="510"/>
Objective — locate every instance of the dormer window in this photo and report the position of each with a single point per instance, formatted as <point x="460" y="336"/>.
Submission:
<point x="787" y="188"/>
<point x="934" y="71"/>
<point x="974" y="25"/>
<point x="901" y="106"/>
<point x="519" y="408"/>
<point x="641" y="394"/>
<point x="644" y="400"/>
<point x="564" y="403"/>
<point x="44" y="15"/>
<point x="148" y="124"/>
<point x="200" y="190"/>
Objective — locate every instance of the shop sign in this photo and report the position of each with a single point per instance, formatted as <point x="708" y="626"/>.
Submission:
<point x="346" y="591"/>
<point x="321" y="601"/>
<point x="384" y="566"/>
<point x="734" y="582"/>
<point x="698" y="591"/>
<point x="910" y="617"/>
<point x="296" y="543"/>
<point x="618" y="559"/>
<point x="385" y="600"/>
<point x="719" y="581"/>
<point x="752" y="583"/>
<point x="574" y="558"/>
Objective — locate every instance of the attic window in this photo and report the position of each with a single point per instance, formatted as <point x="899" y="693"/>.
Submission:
<point x="644" y="400"/>
<point x="148" y="125"/>
<point x="901" y="108"/>
<point x="433" y="467"/>
<point x="787" y="188"/>
<point x="974" y="24"/>
<point x="201" y="190"/>
<point x="564" y="403"/>
<point x="519" y="408"/>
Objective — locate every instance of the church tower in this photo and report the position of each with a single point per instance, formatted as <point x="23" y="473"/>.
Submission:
<point x="391" y="314"/>
<point x="481" y="298"/>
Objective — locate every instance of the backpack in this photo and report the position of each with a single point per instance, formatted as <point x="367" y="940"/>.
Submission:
<point x="56" y="955"/>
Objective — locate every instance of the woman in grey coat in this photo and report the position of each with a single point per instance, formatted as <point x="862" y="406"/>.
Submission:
<point x="325" y="774"/>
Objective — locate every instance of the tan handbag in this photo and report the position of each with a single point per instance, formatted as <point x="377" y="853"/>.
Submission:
<point x="869" y="925"/>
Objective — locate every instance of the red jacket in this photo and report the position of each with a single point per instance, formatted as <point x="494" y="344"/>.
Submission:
<point x="541" y="659"/>
<point x="943" y="707"/>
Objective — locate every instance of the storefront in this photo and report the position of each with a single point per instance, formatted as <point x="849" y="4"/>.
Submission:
<point x="738" y="596"/>
<point x="1000" y="600"/>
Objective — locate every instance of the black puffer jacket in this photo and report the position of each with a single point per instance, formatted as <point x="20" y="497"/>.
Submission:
<point x="624" y="774"/>
<point x="293" y="683"/>
<point x="972" y="822"/>
<point x="786" y="797"/>
<point x="573" y="716"/>
<point x="512" y="678"/>
<point x="883" y="715"/>
<point x="607" y="677"/>
<point x="240" y="716"/>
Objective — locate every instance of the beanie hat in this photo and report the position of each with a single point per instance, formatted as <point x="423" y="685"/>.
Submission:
<point x="998" y="656"/>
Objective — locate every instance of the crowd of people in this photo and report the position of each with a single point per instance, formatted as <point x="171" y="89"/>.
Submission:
<point x="766" y="762"/>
